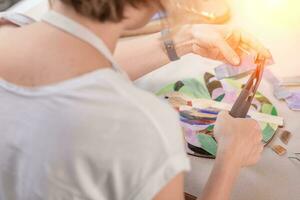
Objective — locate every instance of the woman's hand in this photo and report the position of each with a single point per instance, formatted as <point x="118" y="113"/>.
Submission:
<point x="239" y="140"/>
<point x="218" y="42"/>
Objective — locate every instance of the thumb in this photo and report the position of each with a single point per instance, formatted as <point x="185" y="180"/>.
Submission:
<point x="229" y="54"/>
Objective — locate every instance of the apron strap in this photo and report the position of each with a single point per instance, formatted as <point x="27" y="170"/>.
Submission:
<point x="68" y="25"/>
<point x="16" y="19"/>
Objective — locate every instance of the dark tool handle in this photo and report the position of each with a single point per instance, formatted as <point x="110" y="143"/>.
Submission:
<point x="242" y="104"/>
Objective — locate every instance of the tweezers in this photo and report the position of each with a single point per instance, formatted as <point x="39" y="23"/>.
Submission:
<point x="242" y="105"/>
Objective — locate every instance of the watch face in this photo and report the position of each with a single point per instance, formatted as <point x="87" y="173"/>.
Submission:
<point x="5" y="4"/>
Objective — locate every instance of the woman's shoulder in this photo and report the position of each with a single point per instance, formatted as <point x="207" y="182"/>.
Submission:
<point x="149" y="110"/>
<point x="114" y="105"/>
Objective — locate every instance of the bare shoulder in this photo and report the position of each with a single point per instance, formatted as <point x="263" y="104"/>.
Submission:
<point x="39" y="54"/>
<point x="17" y="48"/>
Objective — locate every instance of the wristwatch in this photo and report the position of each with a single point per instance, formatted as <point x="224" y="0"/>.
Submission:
<point x="169" y="46"/>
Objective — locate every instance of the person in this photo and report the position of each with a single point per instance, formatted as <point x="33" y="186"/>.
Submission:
<point x="74" y="126"/>
<point x="4" y="5"/>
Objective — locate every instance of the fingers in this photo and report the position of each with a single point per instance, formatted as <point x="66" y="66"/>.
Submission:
<point x="255" y="155"/>
<point x="196" y="49"/>
<point x="221" y="42"/>
<point x="256" y="133"/>
<point x="234" y="38"/>
<point x="254" y="44"/>
<point x="223" y="114"/>
<point x="221" y="124"/>
<point x="239" y="138"/>
<point x="227" y="51"/>
<point x="246" y="41"/>
<point x="255" y="141"/>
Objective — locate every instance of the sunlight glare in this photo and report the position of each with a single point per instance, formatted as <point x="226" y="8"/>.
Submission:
<point x="272" y="13"/>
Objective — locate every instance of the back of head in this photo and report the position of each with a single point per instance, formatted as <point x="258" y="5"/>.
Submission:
<point x="104" y="10"/>
<point x="114" y="10"/>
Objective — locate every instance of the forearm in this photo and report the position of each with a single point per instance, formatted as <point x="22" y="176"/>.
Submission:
<point x="142" y="55"/>
<point x="221" y="181"/>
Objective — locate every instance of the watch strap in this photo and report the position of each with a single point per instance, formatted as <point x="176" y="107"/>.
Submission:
<point x="169" y="46"/>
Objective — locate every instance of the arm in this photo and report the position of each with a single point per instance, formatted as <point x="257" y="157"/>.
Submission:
<point x="142" y="55"/>
<point x="218" y="187"/>
<point x="236" y="149"/>
<point x="221" y="181"/>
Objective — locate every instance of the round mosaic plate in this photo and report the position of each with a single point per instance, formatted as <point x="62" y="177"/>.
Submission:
<point x="198" y="124"/>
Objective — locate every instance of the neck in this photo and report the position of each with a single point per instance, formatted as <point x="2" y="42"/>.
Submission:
<point x="108" y="32"/>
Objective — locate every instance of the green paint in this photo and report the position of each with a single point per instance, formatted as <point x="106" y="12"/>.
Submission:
<point x="208" y="143"/>
<point x="262" y="125"/>
<point x="268" y="133"/>
<point x="220" y="98"/>
<point x="266" y="108"/>
<point x="274" y="111"/>
<point x="165" y="90"/>
<point x="269" y="109"/>
<point x="210" y="128"/>
<point x="195" y="88"/>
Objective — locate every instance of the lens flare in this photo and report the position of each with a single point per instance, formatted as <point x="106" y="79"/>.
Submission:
<point x="274" y="3"/>
<point x="271" y="13"/>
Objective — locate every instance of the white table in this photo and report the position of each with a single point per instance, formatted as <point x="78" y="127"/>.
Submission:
<point x="274" y="177"/>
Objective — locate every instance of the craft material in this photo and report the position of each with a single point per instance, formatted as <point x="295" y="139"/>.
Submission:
<point x="290" y="81"/>
<point x="278" y="149"/>
<point x="246" y="66"/>
<point x="205" y="103"/>
<point x="199" y="100"/>
<point x="293" y="101"/>
<point x="279" y="92"/>
<point x="214" y="87"/>
<point x="292" y="97"/>
<point x="285" y="136"/>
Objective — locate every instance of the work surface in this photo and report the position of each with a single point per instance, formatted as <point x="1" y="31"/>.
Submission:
<point x="274" y="177"/>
